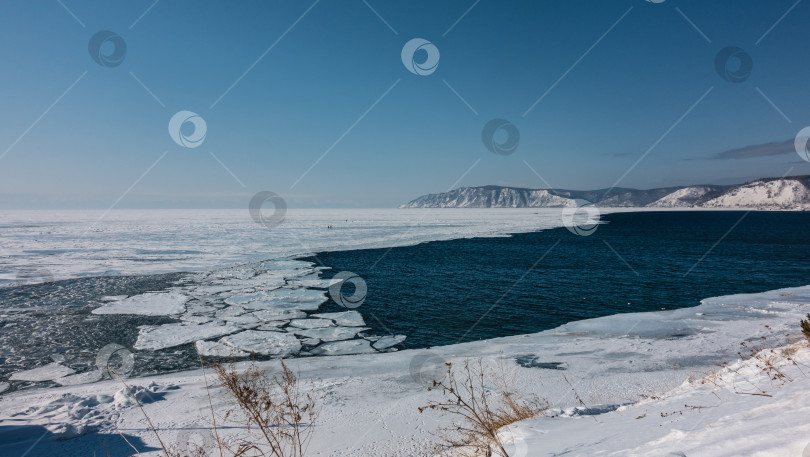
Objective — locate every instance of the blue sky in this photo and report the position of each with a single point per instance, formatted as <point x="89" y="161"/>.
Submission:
<point x="619" y="77"/>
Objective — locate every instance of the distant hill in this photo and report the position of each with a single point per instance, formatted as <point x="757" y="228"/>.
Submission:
<point x="791" y="193"/>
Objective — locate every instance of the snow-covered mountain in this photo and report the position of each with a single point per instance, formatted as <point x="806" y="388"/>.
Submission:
<point x="791" y="193"/>
<point x="788" y="193"/>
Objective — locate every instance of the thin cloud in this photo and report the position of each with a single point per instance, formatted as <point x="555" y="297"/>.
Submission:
<point x="758" y="150"/>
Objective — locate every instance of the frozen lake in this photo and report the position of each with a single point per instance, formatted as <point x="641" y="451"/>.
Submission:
<point x="71" y="244"/>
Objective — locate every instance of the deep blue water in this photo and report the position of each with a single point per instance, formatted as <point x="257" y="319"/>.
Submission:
<point x="446" y="292"/>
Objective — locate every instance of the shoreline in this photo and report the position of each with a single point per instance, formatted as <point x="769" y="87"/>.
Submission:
<point x="611" y="361"/>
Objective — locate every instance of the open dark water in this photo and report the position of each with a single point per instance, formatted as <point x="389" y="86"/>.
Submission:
<point x="447" y="292"/>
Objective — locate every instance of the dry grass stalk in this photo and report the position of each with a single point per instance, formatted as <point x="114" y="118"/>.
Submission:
<point x="274" y="409"/>
<point x="805" y="323"/>
<point x="278" y="415"/>
<point x="478" y="411"/>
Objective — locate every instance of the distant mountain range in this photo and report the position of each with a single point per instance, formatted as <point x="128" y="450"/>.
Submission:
<point x="792" y="193"/>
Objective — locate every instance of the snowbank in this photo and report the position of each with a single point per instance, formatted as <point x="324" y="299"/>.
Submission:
<point x="627" y="370"/>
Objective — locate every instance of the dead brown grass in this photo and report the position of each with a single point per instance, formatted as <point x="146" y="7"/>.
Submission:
<point x="805" y="324"/>
<point x="478" y="411"/>
<point x="278" y="414"/>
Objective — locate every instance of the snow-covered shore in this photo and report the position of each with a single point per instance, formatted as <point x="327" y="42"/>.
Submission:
<point x="620" y="367"/>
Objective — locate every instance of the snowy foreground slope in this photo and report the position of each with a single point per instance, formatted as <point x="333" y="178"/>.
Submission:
<point x="740" y="410"/>
<point x="631" y="384"/>
<point x="768" y="194"/>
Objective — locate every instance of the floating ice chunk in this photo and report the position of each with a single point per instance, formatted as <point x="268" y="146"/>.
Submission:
<point x="272" y="326"/>
<point x="170" y="335"/>
<point x="266" y="315"/>
<point x="214" y="349"/>
<point x="113" y="297"/>
<point x="238" y="273"/>
<point x="311" y="341"/>
<point x="265" y="343"/>
<point x="148" y="304"/>
<point x="195" y="318"/>
<point x="277" y="265"/>
<point x="344" y="348"/>
<point x="230" y="311"/>
<point x="329" y="333"/>
<point x="211" y="290"/>
<point x="263" y="281"/>
<point x="4" y="387"/>
<point x="243" y="319"/>
<point x="345" y="318"/>
<point x="317" y="283"/>
<point x="198" y="308"/>
<point x="242" y="298"/>
<point x="81" y="378"/>
<point x="311" y="323"/>
<point x="49" y="372"/>
<point x="388" y="341"/>
<point x="300" y="299"/>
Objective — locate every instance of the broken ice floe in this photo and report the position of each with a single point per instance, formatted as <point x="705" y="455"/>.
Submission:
<point x="345" y="318"/>
<point x="4" y="386"/>
<point x="48" y="372"/>
<point x="329" y="333"/>
<point x="299" y="299"/>
<point x="344" y="348"/>
<point x="311" y="323"/>
<point x="388" y="341"/>
<point x="264" y="343"/>
<point x="279" y="314"/>
<point x="244" y="319"/>
<point x="113" y="297"/>
<point x="148" y="304"/>
<point x="314" y="282"/>
<point x="196" y="318"/>
<point x="260" y="309"/>
<point x="170" y="335"/>
<point x="215" y="349"/>
<point x="272" y="326"/>
<point x="81" y="378"/>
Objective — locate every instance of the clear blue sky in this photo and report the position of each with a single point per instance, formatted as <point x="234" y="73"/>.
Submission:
<point x="605" y="108"/>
